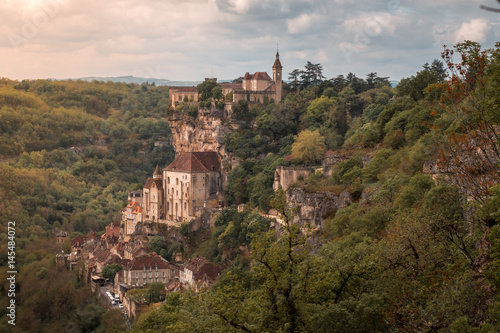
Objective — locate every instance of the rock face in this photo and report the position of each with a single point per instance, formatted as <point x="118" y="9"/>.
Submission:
<point x="313" y="208"/>
<point x="205" y="133"/>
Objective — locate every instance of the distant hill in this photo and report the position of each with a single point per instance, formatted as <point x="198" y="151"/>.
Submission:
<point x="140" y="80"/>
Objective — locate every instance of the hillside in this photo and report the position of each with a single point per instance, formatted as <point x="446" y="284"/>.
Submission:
<point x="415" y="248"/>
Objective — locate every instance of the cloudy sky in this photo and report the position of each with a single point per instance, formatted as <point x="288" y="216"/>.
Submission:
<point x="194" y="39"/>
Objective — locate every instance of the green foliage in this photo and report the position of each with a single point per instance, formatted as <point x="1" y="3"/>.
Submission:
<point x="109" y="271"/>
<point x="317" y="111"/>
<point x="156" y="244"/>
<point x="347" y="171"/>
<point x="414" y="192"/>
<point x="206" y="90"/>
<point x="309" y="147"/>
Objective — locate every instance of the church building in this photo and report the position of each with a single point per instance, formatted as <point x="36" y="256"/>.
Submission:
<point x="187" y="186"/>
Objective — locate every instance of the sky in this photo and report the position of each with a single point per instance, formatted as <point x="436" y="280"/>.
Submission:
<point x="188" y="40"/>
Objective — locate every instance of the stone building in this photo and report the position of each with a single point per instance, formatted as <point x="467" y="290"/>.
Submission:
<point x="153" y="198"/>
<point x="147" y="269"/>
<point x="193" y="181"/>
<point x="131" y="215"/>
<point x="190" y="184"/>
<point x="254" y="88"/>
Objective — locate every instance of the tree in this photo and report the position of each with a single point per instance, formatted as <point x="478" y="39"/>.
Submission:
<point x="317" y="111"/>
<point x="294" y="79"/>
<point x="109" y="271"/>
<point x="415" y="86"/>
<point x="217" y="92"/>
<point x="205" y="89"/>
<point x="155" y="292"/>
<point x="309" y="147"/>
<point x="471" y="97"/>
<point x="156" y="244"/>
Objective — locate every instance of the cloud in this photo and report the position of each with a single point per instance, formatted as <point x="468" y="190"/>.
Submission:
<point x="476" y="30"/>
<point x="184" y="40"/>
<point x="300" y="23"/>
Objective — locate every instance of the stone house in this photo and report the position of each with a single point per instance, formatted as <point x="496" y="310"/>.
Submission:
<point x="199" y="272"/>
<point x="147" y="269"/>
<point x="112" y="234"/>
<point x="131" y="215"/>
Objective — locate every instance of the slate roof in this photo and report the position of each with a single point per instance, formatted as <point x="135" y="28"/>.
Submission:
<point x="195" y="162"/>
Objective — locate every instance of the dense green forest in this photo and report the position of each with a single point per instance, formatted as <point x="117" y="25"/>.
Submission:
<point x="415" y="252"/>
<point x="74" y="150"/>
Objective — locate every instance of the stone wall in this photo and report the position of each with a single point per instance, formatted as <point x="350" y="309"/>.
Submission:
<point x="313" y="208"/>
<point x="286" y="176"/>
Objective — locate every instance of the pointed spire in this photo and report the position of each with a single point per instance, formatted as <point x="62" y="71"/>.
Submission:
<point x="277" y="62"/>
<point x="157" y="173"/>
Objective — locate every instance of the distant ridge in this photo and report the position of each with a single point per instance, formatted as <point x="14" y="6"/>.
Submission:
<point x="140" y="80"/>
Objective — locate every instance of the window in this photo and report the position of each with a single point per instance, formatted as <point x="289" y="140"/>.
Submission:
<point x="185" y="206"/>
<point x="168" y="180"/>
<point x="136" y="274"/>
<point x="176" y="181"/>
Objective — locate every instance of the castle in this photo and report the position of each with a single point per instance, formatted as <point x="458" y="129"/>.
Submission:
<point x="253" y="88"/>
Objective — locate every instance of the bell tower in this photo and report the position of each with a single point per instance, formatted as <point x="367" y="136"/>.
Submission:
<point x="277" y="78"/>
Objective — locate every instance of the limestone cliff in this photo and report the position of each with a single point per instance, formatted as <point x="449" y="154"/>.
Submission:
<point x="313" y="208"/>
<point x="204" y="133"/>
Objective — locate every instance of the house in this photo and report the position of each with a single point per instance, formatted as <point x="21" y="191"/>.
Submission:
<point x="60" y="235"/>
<point x="133" y="250"/>
<point x="199" y="272"/>
<point x="112" y="234"/>
<point x="147" y="269"/>
<point x="79" y="242"/>
<point x="131" y="215"/>
<point x="135" y="196"/>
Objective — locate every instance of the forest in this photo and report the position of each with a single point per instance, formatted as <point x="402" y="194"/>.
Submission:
<point x="415" y="252"/>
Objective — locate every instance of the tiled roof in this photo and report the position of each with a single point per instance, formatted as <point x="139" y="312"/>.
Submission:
<point x="147" y="261"/>
<point x="114" y="259"/>
<point x="183" y="89"/>
<point x="112" y="231"/>
<point x="151" y="181"/>
<point x="257" y="76"/>
<point x="203" y="269"/>
<point x="195" y="162"/>
<point x="78" y="241"/>
<point x="228" y="85"/>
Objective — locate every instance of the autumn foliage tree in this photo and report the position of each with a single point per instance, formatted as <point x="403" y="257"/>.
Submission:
<point x="471" y="98"/>
<point x="309" y="147"/>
